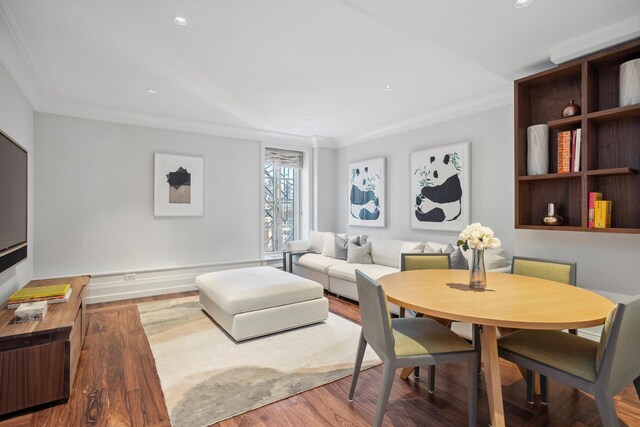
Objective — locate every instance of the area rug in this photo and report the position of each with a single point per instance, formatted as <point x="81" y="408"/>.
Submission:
<point x="207" y="377"/>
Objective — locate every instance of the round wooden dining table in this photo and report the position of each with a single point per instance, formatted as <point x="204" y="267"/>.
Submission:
<point x="509" y="301"/>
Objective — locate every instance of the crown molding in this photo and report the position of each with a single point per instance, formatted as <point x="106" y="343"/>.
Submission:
<point x="17" y="59"/>
<point x="464" y="108"/>
<point x="318" y="141"/>
<point x="114" y="115"/>
<point x="598" y="40"/>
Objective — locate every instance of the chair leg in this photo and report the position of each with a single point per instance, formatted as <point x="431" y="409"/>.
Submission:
<point x="402" y="311"/>
<point x="362" y="346"/>
<point x="475" y="341"/>
<point x="388" y="373"/>
<point x="472" y="395"/>
<point x="432" y="379"/>
<point x="416" y="372"/>
<point x="607" y="410"/>
<point x="544" y="390"/>
<point x="531" y="381"/>
<point x="573" y="331"/>
<point x="636" y="383"/>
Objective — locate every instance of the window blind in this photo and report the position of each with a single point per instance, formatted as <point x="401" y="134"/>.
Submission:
<point x="283" y="158"/>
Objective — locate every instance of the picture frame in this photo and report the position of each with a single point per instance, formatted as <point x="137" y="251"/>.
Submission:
<point x="366" y="193"/>
<point x="178" y="185"/>
<point x="441" y="187"/>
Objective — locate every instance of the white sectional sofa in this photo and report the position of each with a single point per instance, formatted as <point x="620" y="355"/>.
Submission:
<point x="339" y="277"/>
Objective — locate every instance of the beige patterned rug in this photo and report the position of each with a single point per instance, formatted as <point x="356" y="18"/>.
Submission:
<point x="207" y="377"/>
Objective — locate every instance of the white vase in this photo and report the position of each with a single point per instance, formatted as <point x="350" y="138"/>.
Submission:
<point x="537" y="150"/>
<point x="630" y="82"/>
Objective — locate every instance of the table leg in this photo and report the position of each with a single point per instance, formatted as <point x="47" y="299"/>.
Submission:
<point x="491" y="366"/>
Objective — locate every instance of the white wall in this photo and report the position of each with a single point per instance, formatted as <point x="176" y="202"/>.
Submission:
<point x="94" y="199"/>
<point x="491" y="137"/>
<point x="16" y="120"/>
<point x="325" y="172"/>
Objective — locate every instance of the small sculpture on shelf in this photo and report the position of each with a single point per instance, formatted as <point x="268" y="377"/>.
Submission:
<point x="552" y="217"/>
<point x="572" y="109"/>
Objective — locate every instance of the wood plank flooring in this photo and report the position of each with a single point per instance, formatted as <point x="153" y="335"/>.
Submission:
<point x="117" y="385"/>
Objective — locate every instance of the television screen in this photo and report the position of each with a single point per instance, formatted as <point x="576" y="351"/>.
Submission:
<point x="13" y="202"/>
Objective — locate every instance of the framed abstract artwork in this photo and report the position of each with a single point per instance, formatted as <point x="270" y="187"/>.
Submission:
<point x="367" y="193"/>
<point x="440" y="187"/>
<point x="178" y="185"/>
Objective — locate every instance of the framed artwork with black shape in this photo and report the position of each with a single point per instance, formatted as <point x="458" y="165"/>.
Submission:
<point x="366" y="193"/>
<point x="179" y="185"/>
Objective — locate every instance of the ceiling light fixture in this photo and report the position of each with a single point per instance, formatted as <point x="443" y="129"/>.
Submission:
<point x="180" y="20"/>
<point x="522" y="3"/>
<point x="152" y="90"/>
<point x="388" y="88"/>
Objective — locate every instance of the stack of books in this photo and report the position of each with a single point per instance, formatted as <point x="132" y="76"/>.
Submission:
<point x="569" y="148"/>
<point x="52" y="294"/>
<point x="599" y="211"/>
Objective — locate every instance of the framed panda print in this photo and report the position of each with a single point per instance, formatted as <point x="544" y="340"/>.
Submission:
<point x="440" y="187"/>
<point x="367" y="193"/>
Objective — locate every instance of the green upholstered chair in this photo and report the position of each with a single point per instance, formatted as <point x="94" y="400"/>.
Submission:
<point x="602" y="369"/>
<point x="557" y="271"/>
<point x="423" y="262"/>
<point x="403" y="343"/>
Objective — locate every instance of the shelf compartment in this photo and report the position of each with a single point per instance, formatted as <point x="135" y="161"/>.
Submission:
<point x="619" y="113"/>
<point x="612" y="172"/>
<point x="550" y="176"/>
<point x="565" y="123"/>
<point x="614" y="144"/>
<point x="623" y="192"/>
<point x="534" y="195"/>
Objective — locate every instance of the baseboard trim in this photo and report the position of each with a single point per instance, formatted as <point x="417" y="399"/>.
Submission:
<point x="106" y="287"/>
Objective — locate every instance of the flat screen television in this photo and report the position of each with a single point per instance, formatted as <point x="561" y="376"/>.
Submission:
<point x="13" y="202"/>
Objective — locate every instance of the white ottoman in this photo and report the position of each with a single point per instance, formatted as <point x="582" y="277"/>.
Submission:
<point x="251" y="302"/>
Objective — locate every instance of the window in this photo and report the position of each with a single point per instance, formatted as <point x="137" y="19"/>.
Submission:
<point x="281" y="182"/>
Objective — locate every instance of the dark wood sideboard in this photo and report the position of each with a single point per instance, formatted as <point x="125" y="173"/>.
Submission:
<point x="39" y="360"/>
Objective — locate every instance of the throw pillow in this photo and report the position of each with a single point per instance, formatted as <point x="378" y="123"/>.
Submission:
<point x="429" y="250"/>
<point x="458" y="261"/>
<point x="316" y="240"/>
<point x="340" y="245"/>
<point x="328" y="243"/>
<point x="359" y="254"/>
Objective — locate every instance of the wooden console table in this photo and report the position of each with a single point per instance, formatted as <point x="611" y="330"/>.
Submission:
<point x="39" y="360"/>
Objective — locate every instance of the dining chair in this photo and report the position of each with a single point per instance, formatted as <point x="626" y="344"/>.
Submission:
<point x="602" y="369"/>
<point x="557" y="271"/>
<point x="409" y="261"/>
<point x="407" y="342"/>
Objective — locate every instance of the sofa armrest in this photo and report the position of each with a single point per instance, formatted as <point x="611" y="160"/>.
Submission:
<point x="297" y="245"/>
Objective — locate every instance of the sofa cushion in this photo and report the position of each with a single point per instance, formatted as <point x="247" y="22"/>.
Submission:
<point x="348" y="271"/>
<point x="436" y="246"/>
<point x="493" y="258"/>
<point x="316" y="241"/>
<point x="359" y="254"/>
<point x="328" y="243"/>
<point x="387" y="252"/>
<point x="458" y="261"/>
<point x="318" y="262"/>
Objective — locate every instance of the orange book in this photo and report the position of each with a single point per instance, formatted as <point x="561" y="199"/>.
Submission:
<point x="564" y="152"/>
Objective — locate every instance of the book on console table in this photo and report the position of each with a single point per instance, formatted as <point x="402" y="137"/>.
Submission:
<point x="30" y="312"/>
<point x="14" y="302"/>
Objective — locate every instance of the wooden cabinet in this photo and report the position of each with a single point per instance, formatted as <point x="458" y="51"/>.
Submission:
<point x="39" y="360"/>
<point x="610" y="157"/>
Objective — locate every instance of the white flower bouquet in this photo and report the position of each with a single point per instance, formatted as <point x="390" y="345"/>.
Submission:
<point x="476" y="236"/>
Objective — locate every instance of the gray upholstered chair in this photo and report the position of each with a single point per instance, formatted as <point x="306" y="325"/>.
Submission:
<point x="602" y="369"/>
<point x="403" y="343"/>
<point x="557" y="271"/>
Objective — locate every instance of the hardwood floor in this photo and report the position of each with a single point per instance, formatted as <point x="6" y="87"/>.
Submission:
<point x="117" y="385"/>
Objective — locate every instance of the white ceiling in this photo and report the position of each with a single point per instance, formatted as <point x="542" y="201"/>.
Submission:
<point x="312" y="67"/>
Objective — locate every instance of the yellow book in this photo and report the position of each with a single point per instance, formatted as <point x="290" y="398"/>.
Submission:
<point x="603" y="214"/>
<point x="41" y="292"/>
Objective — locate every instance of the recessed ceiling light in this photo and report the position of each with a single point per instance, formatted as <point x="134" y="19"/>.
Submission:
<point x="180" y="20"/>
<point x="152" y="90"/>
<point x="311" y="120"/>
<point x="522" y="3"/>
<point x="388" y="88"/>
